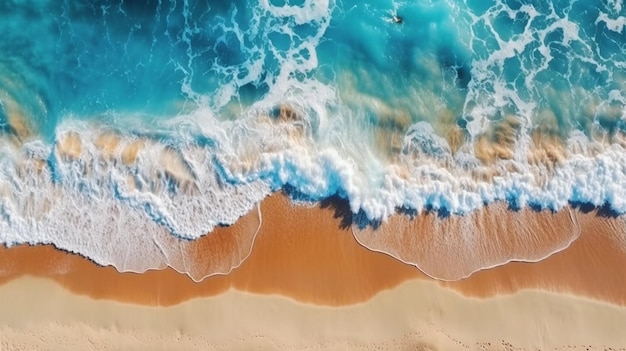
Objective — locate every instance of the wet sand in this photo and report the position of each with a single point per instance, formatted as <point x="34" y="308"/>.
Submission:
<point x="308" y="282"/>
<point x="299" y="252"/>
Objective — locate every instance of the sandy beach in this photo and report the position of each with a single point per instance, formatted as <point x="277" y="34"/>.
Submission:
<point x="313" y="175"/>
<point x="307" y="283"/>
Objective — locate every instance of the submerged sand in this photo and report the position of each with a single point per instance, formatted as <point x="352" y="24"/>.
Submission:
<point x="308" y="283"/>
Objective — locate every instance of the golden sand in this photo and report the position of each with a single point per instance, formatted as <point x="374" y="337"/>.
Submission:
<point x="70" y="146"/>
<point x="417" y="315"/>
<point x="319" y="263"/>
<point x="304" y="259"/>
<point x="498" y="142"/>
<point x="131" y="151"/>
<point x="17" y="120"/>
<point x="175" y="169"/>
<point x="311" y="255"/>
<point x="18" y="125"/>
<point x="108" y="144"/>
<point x="548" y="149"/>
<point x="591" y="266"/>
<point x="453" y="247"/>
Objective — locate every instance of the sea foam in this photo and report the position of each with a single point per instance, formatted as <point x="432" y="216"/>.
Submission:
<point x="177" y="119"/>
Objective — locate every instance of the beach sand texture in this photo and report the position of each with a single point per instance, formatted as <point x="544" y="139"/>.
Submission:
<point x="313" y="175"/>
<point x="309" y="284"/>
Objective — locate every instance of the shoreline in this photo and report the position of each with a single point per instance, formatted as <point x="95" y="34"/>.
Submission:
<point x="308" y="282"/>
<point x="415" y="315"/>
<point x="297" y="250"/>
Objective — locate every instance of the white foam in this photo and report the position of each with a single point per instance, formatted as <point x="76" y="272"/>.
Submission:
<point x="89" y="205"/>
<point x="614" y="24"/>
<point x="196" y="171"/>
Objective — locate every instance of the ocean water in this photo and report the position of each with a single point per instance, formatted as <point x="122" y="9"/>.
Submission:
<point x="124" y="120"/>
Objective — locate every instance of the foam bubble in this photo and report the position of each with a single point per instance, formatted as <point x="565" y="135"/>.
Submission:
<point x="524" y="107"/>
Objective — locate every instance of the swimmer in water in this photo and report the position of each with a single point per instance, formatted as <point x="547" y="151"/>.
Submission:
<point x="397" y="19"/>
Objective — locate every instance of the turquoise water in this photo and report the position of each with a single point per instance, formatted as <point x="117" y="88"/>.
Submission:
<point x="105" y="59"/>
<point x="373" y="90"/>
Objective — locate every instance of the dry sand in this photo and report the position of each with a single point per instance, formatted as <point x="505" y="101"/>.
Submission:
<point x="308" y="284"/>
<point x="417" y="315"/>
